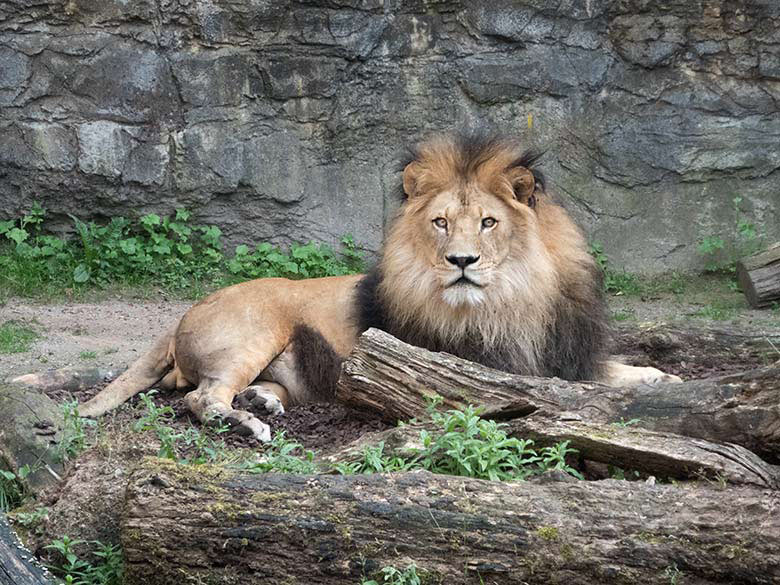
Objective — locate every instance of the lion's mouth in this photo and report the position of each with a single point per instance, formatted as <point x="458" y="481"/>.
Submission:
<point x="465" y="281"/>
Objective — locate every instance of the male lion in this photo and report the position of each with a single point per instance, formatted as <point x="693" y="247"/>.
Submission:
<point x="479" y="262"/>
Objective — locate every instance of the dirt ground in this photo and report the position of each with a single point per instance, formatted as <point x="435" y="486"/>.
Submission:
<point x="115" y="332"/>
<point x="112" y="333"/>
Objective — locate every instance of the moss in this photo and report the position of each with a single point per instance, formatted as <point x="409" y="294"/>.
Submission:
<point x="229" y="510"/>
<point x="264" y="498"/>
<point x="548" y="533"/>
<point x="188" y="474"/>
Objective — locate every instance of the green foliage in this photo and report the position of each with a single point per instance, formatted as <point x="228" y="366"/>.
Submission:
<point x="32" y="519"/>
<point x="673" y="574"/>
<point x="624" y="315"/>
<point x="722" y="251"/>
<point x="74" y="433"/>
<point x="466" y="445"/>
<point x="167" y="252"/>
<point x="623" y="423"/>
<point x="373" y="460"/>
<point x="104" y="569"/>
<point x="16" y="338"/>
<point x="617" y="282"/>
<point x="470" y="446"/>
<point x="718" y="310"/>
<point x="88" y="355"/>
<point x="193" y="446"/>
<point x="282" y="456"/>
<point x="12" y="487"/>
<point x="392" y="576"/>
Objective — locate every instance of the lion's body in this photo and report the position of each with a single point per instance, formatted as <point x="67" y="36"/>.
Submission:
<point x="479" y="262"/>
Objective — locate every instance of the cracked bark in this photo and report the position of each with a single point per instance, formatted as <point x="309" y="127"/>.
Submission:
<point x="209" y="525"/>
<point x="395" y="380"/>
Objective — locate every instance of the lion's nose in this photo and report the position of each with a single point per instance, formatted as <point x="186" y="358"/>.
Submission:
<point x="462" y="261"/>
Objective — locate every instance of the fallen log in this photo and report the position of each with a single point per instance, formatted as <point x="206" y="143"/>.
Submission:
<point x="17" y="564"/>
<point x="759" y="277"/>
<point x="665" y="456"/>
<point x="663" y="344"/>
<point x="397" y="381"/>
<point x="209" y="525"/>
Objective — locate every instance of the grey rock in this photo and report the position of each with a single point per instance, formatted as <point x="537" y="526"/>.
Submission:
<point x="282" y="121"/>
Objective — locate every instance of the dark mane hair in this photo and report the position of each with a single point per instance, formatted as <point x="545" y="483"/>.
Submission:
<point x="475" y="147"/>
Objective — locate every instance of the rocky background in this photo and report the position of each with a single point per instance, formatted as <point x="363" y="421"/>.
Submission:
<point x="282" y="120"/>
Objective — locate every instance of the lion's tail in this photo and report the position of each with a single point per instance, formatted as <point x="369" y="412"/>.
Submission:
<point x="143" y="373"/>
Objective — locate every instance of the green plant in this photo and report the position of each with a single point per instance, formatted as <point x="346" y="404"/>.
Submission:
<point x="12" y="487"/>
<point x="717" y="310"/>
<point x="621" y="474"/>
<point x="673" y="574"/>
<point x="466" y="445"/>
<point x="189" y="446"/>
<point x="722" y="253"/>
<point x="167" y="252"/>
<point x="74" y="434"/>
<point x="88" y="355"/>
<point x="105" y="569"/>
<point x="623" y="423"/>
<point x="15" y="338"/>
<point x="392" y="576"/>
<point x="282" y="456"/>
<point x="618" y="282"/>
<point x="624" y="315"/>
<point x="31" y="519"/>
<point x="470" y="446"/>
<point x="374" y="460"/>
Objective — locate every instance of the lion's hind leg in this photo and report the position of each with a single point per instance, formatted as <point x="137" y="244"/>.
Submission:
<point x="617" y="374"/>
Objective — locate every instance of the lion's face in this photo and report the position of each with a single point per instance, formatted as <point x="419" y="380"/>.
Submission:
<point x="465" y="235"/>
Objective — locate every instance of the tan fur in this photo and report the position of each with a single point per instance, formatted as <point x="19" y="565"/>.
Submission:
<point x="241" y="336"/>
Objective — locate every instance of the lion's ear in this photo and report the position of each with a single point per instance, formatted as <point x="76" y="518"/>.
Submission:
<point x="524" y="185"/>
<point x="411" y="175"/>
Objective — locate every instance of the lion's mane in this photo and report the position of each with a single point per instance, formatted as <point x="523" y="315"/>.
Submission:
<point x="545" y="313"/>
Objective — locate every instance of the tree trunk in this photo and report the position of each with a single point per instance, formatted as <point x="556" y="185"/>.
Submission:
<point x="759" y="277"/>
<point x="17" y="566"/>
<point x="395" y="380"/>
<point x="183" y="524"/>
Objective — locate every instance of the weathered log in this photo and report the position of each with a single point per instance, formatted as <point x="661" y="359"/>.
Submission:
<point x="759" y="277"/>
<point x="17" y="564"/>
<point x="666" y="456"/>
<point x="30" y="429"/>
<point x="396" y="380"/>
<point x="663" y="455"/>
<point x="184" y="524"/>
<point x="68" y="379"/>
<point x="658" y="344"/>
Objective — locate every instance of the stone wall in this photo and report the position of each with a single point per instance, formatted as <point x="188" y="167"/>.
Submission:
<point x="282" y="120"/>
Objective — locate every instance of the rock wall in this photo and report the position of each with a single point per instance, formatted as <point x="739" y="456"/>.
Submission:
<point x="282" y="120"/>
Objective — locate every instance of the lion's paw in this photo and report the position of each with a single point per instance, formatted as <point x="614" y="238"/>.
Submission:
<point x="247" y="424"/>
<point x="656" y="376"/>
<point x="262" y="399"/>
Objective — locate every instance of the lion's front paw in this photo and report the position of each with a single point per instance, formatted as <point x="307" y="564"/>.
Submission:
<point x="262" y="399"/>
<point x="656" y="376"/>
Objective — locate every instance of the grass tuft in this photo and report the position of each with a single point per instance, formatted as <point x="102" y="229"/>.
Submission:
<point x="15" y="338"/>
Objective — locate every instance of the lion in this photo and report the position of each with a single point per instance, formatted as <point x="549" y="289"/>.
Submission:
<point x="479" y="262"/>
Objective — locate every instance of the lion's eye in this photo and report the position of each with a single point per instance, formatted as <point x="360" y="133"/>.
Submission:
<point x="488" y="223"/>
<point x="440" y="223"/>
